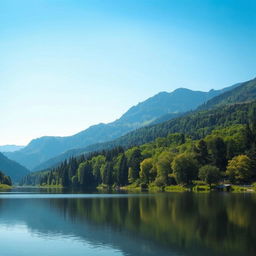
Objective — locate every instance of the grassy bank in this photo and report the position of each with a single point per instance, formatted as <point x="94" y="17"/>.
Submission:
<point x="154" y="188"/>
<point x="132" y="187"/>
<point x="50" y="186"/>
<point x="4" y="186"/>
<point x="197" y="188"/>
<point x="237" y="188"/>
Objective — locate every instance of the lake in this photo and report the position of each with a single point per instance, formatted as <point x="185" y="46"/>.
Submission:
<point x="53" y="224"/>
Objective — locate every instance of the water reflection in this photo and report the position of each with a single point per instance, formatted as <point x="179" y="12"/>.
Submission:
<point x="162" y="224"/>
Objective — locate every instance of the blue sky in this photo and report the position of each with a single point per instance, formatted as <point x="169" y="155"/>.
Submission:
<point x="66" y="65"/>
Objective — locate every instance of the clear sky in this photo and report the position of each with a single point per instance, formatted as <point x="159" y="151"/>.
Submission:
<point x="68" y="64"/>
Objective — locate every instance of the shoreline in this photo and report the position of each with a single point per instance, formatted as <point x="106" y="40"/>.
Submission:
<point x="152" y="188"/>
<point x="5" y="187"/>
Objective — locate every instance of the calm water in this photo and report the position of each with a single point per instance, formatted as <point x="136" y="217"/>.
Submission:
<point x="127" y="224"/>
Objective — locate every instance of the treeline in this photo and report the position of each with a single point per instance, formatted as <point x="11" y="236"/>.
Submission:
<point x="211" y="145"/>
<point x="195" y="124"/>
<point x="225" y="154"/>
<point x="6" y="180"/>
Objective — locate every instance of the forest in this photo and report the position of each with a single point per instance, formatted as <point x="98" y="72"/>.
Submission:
<point x="212" y="146"/>
<point x="5" y="180"/>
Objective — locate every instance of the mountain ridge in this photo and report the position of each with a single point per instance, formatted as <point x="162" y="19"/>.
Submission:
<point x="245" y="91"/>
<point x="10" y="148"/>
<point x="74" y="152"/>
<point x="138" y="133"/>
<point x="203" y="139"/>
<point x="144" y="113"/>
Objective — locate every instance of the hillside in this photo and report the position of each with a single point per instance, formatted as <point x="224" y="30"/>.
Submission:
<point x="181" y="100"/>
<point x="207" y="145"/>
<point x="12" y="169"/>
<point x="193" y="123"/>
<point x="244" y="92"/>
<point x="196" y="125"/>
<point x="223" y="110"/>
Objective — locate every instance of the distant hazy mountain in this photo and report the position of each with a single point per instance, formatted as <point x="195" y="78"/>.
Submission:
<point x="11" y="168"/>
<point x="10" y="148"/>
<point x="145" y="113"/>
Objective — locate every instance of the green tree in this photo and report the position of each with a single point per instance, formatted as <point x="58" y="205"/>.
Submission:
<point x="5" y="179"/>
<point x="185" y="168"/>
<point x="107" y="174"/>
<point x="239" y="169"/>
<point x="252" y="121"/>
<point x="147" y="173"/>
<point x="163" y="167"/>
<point x="134" y="159"/>
<point x="210" y="174"/>
<point x="72" y="168"/>
<point x="218" y="150"/>
<point x="97" y="162"/>
<point x="252" y="156"/>
<point x="202" y="154"/>
<point x="176" y="138"/>
<point x="65" y="178"/>
<point x="121" y="170"/>
<point x="84" y="172"/>
<point x="74" y="181"/>
<point x="50" y="178"/>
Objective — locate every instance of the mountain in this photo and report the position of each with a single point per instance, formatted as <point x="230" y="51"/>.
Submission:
<point x="196" y="125"/>
<point x="193" y="122"/>
<point x="12" y="169"/>
<point x="243" y="92"/>
<point x="10" y="148"/>
<point x="145" y="113"/>
<point x="215" y="139"/>
<point x="166" y="104"/>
